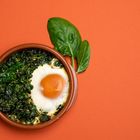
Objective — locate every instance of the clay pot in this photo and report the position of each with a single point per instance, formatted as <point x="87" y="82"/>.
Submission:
<point x="72" y="79"/>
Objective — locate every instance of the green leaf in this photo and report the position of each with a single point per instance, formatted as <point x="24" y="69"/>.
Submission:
<point x="64" y="36"/>
<point x="83" y="56"/>
<point x="44" y="117"/>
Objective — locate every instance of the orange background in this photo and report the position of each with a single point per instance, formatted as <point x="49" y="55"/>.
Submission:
<point x="108" y="104"/>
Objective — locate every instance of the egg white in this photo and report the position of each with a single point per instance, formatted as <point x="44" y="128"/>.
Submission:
<point x="42" y="102"/>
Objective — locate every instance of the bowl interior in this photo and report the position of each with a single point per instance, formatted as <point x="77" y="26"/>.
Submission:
<point x="72" y="80"/>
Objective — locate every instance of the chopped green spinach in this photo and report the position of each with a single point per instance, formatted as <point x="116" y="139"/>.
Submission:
<point x="15" y="85"/>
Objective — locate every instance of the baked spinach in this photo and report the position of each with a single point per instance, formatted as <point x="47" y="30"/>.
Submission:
<point x="15" y="85"/>
<point x="83" y="56"/>
<point x="64" y="36"/>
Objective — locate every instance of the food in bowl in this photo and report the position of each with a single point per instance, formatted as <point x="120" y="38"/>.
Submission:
<point x="34" y="86"/>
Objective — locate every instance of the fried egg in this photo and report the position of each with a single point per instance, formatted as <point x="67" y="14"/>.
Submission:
<point x="50" y="88"/>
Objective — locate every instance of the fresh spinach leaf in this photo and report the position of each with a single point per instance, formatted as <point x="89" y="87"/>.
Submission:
<point x="64" y="36"/>
<point x="83" y="56"/>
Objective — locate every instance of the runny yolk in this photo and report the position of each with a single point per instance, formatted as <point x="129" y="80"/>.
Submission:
<point x="52" y="85"/>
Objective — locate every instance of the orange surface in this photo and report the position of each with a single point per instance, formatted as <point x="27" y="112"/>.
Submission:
<point x="108" y="104"/>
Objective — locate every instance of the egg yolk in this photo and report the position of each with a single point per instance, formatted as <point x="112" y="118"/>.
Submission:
<point x="52" y="85"/>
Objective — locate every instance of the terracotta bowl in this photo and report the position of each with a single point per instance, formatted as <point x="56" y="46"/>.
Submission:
<point x="72" y="79"/>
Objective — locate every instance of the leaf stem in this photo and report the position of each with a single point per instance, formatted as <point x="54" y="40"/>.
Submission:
<point x="77" y="70"/>
<point x="72" y="62"/>
<point x="72" y="57"/>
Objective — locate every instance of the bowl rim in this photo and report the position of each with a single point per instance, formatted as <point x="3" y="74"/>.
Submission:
<point x="72" y="78"/>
